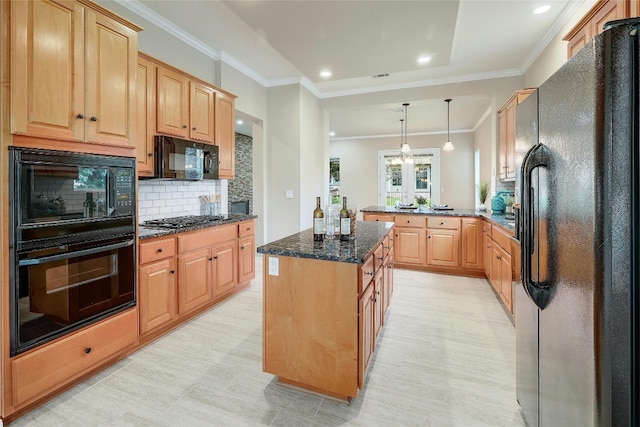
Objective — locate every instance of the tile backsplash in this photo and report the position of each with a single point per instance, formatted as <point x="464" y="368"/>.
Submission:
<point x="163" y="199"/>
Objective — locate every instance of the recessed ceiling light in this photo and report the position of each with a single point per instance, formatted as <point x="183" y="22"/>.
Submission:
<point x="239" y="121"/>
<point x="424" y="59"/>
<point x="541" y="9"/>
<point x="325" y="73"/>
<point x="332" y="133"/>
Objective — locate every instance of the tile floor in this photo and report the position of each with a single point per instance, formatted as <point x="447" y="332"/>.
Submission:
<point x="446" y="357"/>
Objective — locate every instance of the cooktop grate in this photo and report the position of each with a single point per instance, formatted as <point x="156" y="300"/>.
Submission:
<point x="183" y="221"/>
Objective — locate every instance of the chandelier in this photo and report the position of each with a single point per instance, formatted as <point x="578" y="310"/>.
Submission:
<point x="448" y="146"/>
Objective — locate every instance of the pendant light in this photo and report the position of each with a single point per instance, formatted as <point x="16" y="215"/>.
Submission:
<point x="405" y="150"/>
<point x="448" y="146"/>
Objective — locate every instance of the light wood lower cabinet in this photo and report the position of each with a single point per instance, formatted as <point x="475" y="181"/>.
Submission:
<point x="472" y="247"/>
<point x="443" y="248"/>
<point x="224" y="272"/>
<point x="501" y="267"/>
<point x="194" y="279"/>
<point x="46" y="369"/>
<point x="190" y="271"/>
<point x="410" y="245"/>
<point x="157" y="294"/>
<point x="366" y="310"/>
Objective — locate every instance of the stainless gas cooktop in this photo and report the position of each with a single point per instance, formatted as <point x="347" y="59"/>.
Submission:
<point x="183" y="221"/>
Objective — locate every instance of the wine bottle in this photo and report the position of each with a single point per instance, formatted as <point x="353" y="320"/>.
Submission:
<point x="89" y="206"/>
<point x="318" y="222"/>
<point x="345" y="221"/>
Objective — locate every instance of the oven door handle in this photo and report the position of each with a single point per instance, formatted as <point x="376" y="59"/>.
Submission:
<point x="52" y="258"/>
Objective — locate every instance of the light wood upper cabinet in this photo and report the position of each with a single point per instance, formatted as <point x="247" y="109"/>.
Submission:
<point x="146" y="115"/>
<point x="81" y="88"/>
<point x="225" y="134"/>
<point x="593" y="22"/>
<point x="507" y="134"/>
<point x="172" y="101"/>
<point x="185" y="108"/>
<point x="201" y="112"/>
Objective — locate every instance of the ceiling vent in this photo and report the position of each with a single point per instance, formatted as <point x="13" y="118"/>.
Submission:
<point x="377" y="76"/>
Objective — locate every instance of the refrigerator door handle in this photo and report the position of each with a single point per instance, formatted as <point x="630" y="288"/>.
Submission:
<point x="538" y="292"/>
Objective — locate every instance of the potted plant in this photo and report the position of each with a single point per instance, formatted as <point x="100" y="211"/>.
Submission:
<point x="484" y="193"/>
<point x="508" y="203"/>
<point x="421" y="201"/>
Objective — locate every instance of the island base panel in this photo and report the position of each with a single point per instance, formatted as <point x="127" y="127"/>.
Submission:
<point x="310" y="326"/>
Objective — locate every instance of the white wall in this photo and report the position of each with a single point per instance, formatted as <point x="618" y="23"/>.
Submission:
<point x="555" y="54"/>
<point x="359" y="167"/>
<point x="483" y="143"/>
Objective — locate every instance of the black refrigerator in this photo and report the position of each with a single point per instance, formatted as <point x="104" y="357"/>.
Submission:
<point x="576" y="309"/>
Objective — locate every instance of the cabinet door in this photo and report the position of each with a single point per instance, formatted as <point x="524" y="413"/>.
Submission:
<point x="111" y="51"/>
<point x="487" y="254"/>
<point x="247" y="259"/>
<point x="157" y="303"/>
<point x="146" y="115"/>
<point x="409" y="246"/>
<point x="225" y="134"/>
<point x="502" y="143"/>
<point x="611" y="11"/>
<point x="496" y="275"/>
<point x="510" y="146"/>
<point x="506" y="280"/>
<point x="443" y="248"/>
<point x="472" y="234"/>
<point x="225" y="259"/>
<point x="378" y="301"/>
<point x="47" y="79"/>
<point x="366" y="307"/>
<point x="194" y="279"/>
<point x="388" y="282"/>
<point x="172" y="101"/>
<point x="201" y="117"/>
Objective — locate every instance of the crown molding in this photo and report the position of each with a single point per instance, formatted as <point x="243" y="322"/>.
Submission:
<point x="513" y="72"/>
<point x="395" y="135"/>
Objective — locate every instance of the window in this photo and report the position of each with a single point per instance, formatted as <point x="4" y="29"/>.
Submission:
<point x="403" y="182"/>
<point x="334" y="180"/>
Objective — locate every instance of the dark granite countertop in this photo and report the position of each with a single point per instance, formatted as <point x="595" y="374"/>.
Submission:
<point x="498" y="219"/>
<point x="145" y="233"/>
<point x="301" y="245"/>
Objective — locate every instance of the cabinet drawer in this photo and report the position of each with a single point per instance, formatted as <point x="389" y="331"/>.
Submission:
<point x="410" y="221"/>
<point x="377" y="217"/>
<point x="501" y="238"/>
<point x="246" y="229"/>
<point x="366" y="273"/>
<point x="158" y="249"/>
<point x="62" y="361"/>
<point x="378" y="256"/>
<point x="443" y="222"/>
<point x="207" y="237"/>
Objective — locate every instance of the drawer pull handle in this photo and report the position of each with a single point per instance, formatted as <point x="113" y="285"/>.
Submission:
<point x="80" y="116"/>
<point x="172" y="271"/>
<point x="150" y="154"/>
<point x="374" y="300"/>
<point x="442" y="223"/>
<point x="159" y="250"/>
<point x="184" y="126"/>
<point x="193" y="128"/>
<point x="215" y="257"/>
<point x="93" y="119"/>
<point x="87" y="350"/>
<point x="368" y="273"/>
<point x="429" y="237"/>
<point x="210" y="259"/>
<point x="380" y="258"/>
<point x="378" y="292"/>
<point x="241" y="247"/>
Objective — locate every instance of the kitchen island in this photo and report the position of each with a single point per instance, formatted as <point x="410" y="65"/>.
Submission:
<point x="324" y="306"/>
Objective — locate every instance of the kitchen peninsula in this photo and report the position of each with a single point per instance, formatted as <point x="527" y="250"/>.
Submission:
<point x="324" y="306"/>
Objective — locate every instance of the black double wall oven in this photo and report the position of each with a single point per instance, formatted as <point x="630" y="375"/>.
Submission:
<point x="71" y="244"/>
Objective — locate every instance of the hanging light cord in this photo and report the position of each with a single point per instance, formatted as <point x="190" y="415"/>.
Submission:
<point x="448" y="103"/>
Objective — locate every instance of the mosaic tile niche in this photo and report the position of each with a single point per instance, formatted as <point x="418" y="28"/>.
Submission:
<point x="241" y="187"/>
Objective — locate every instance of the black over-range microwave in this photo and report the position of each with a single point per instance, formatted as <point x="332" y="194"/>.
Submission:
<point x="181" y="159"/>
